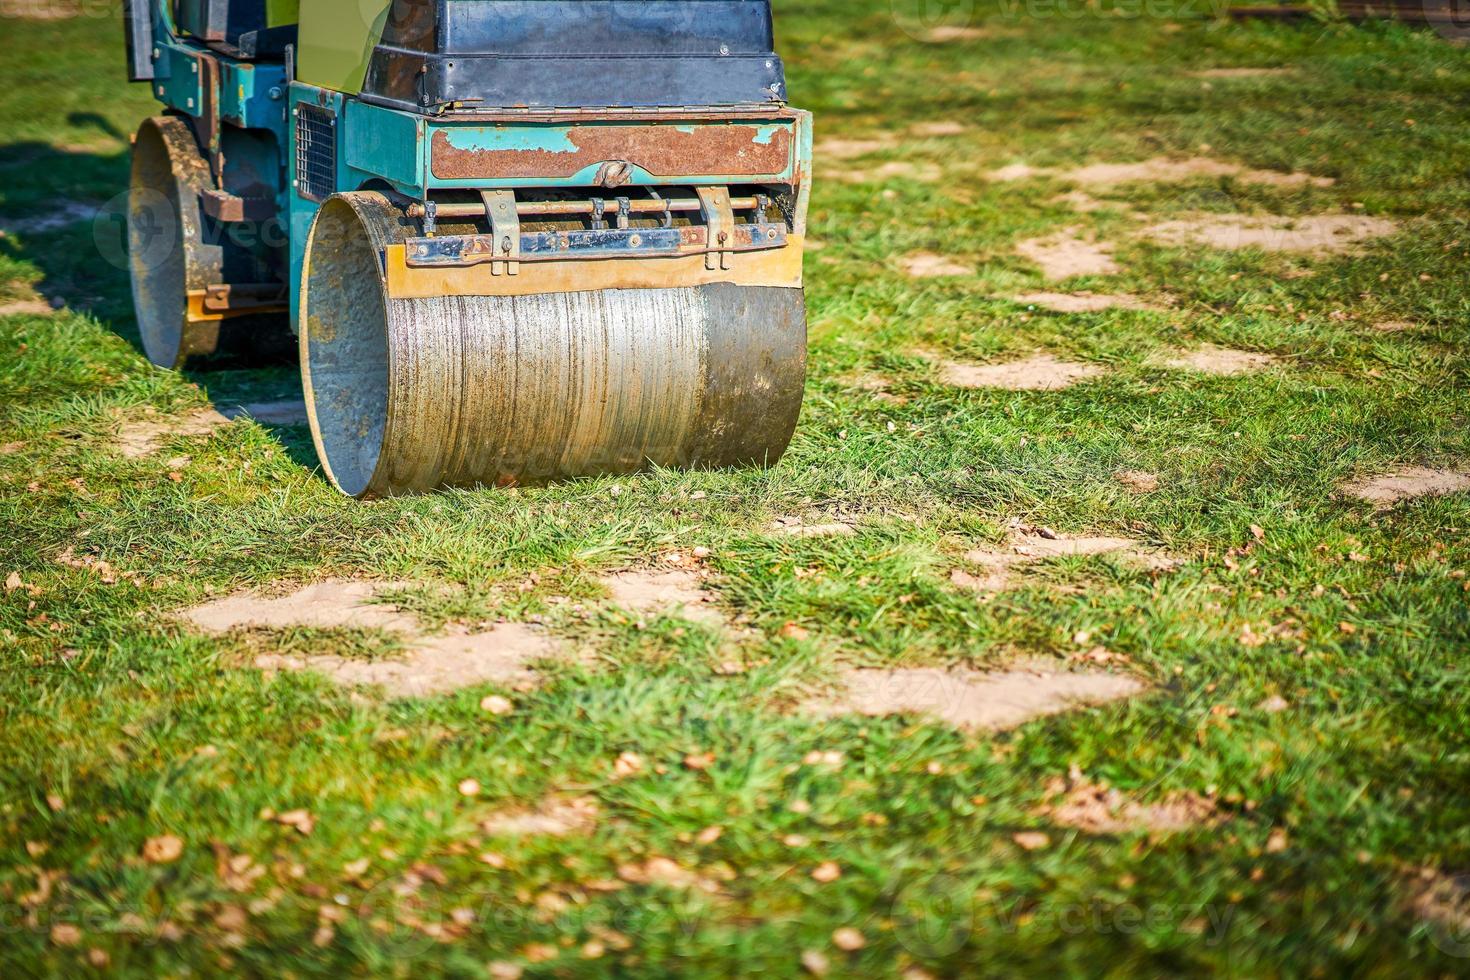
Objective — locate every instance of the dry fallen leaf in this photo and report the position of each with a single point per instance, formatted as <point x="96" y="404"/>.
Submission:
<point x="299" y="820"/>
<point x="496" y="705"/>
<point x="13" y="581"/>
<point x="355" y="868"/>
<point x="164" y="849"/>
<point x="65" y="934"/>
<point x="826" y="871"/>
<point x="469" y="787"/>
<point x="793" y="631"/>
<point x="709" y="834"/>
<point x="627" y="764"/>
<point x="848" y="939"/>
<point x="1031" y="840"/>
<point x="504" y="970"/>
<point x="699" y="760"/>
<point x="1277" y="841"/>
<point x="1258" y="532"/>
<point x="539" y="952"/>
<point x="55" y="803"/>
<point x="815" y="963"/>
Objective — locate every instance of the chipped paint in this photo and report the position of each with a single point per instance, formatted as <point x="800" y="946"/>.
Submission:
<point x="737" y="150"/>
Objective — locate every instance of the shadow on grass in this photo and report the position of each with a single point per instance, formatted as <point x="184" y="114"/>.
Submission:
<point x="65" y="217"/>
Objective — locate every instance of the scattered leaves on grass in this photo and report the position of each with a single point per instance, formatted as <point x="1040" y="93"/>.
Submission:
<point x="1098" y="809"/>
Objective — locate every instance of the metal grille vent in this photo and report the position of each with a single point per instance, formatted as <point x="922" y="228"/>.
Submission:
<point x="316" y="152"/>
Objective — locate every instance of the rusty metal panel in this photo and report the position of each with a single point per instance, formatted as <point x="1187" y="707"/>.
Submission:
<point x="574" y="153"/>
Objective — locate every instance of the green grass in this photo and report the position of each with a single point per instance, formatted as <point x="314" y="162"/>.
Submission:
<point x="106" y="701"/>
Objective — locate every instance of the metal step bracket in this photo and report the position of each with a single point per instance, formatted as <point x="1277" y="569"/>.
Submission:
<point x="505" y="229"/>
<point x="719" y="220"/>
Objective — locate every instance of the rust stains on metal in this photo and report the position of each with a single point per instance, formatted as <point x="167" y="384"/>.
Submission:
<point x="661" y="150"/>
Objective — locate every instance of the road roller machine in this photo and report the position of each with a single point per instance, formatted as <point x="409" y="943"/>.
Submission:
<point x="512" y="241"/>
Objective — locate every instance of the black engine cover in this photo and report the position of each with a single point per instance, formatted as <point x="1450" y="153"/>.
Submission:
<point x="574" y="53"/>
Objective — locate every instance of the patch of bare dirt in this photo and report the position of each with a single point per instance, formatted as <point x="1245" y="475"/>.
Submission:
<point x="1164" y="170"/>
<point x="27" y="305"/>
<point x="1393" y="326"/>
<point x="1443" y="901"/>
<point x="1241" y="72"/>
<point x="1029" y="545"/>
<point x="653" y="591"/>
<point x="290" y="412"/>
<point x="1407" y="484"/>
<point x="1067" y="253"/>
<point x="40" y="9"/>
<point x="140" y="437"/>
<point x="1080" y="201"/>
<point x="949" y="32"/>
<point x="926" y="265"/>
<point x="1095" y="808"/>
<point x="332" y="604"/>
<point x="1139" y="481"/>
<point x="1016" y="171"/>
<point x="974" y="699"/>
<point x="434" y="665"/>
<point x="796" y="527"/>
<point x="1041" y="372"/>
<point x="1210" y="359"/>
<point x="1084" y="302"/>
<point x="921" y="171"/>
<point x="552" y="818"/>
<point x="938" y="127"/>
<point x="835" y="148"/>
<point x="1316" y="235"/>
<point x="430" y="665"/>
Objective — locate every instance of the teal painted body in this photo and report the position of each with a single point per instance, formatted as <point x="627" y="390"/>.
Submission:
<point x="260" y="130"/>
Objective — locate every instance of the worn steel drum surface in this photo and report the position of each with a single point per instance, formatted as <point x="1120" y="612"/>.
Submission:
<point x="167" y="254"/>
<point x="407" y="395"/>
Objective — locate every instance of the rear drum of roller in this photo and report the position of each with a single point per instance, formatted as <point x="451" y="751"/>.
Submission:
<point x="174" y="248"/>
<point x="407" y="395"/>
